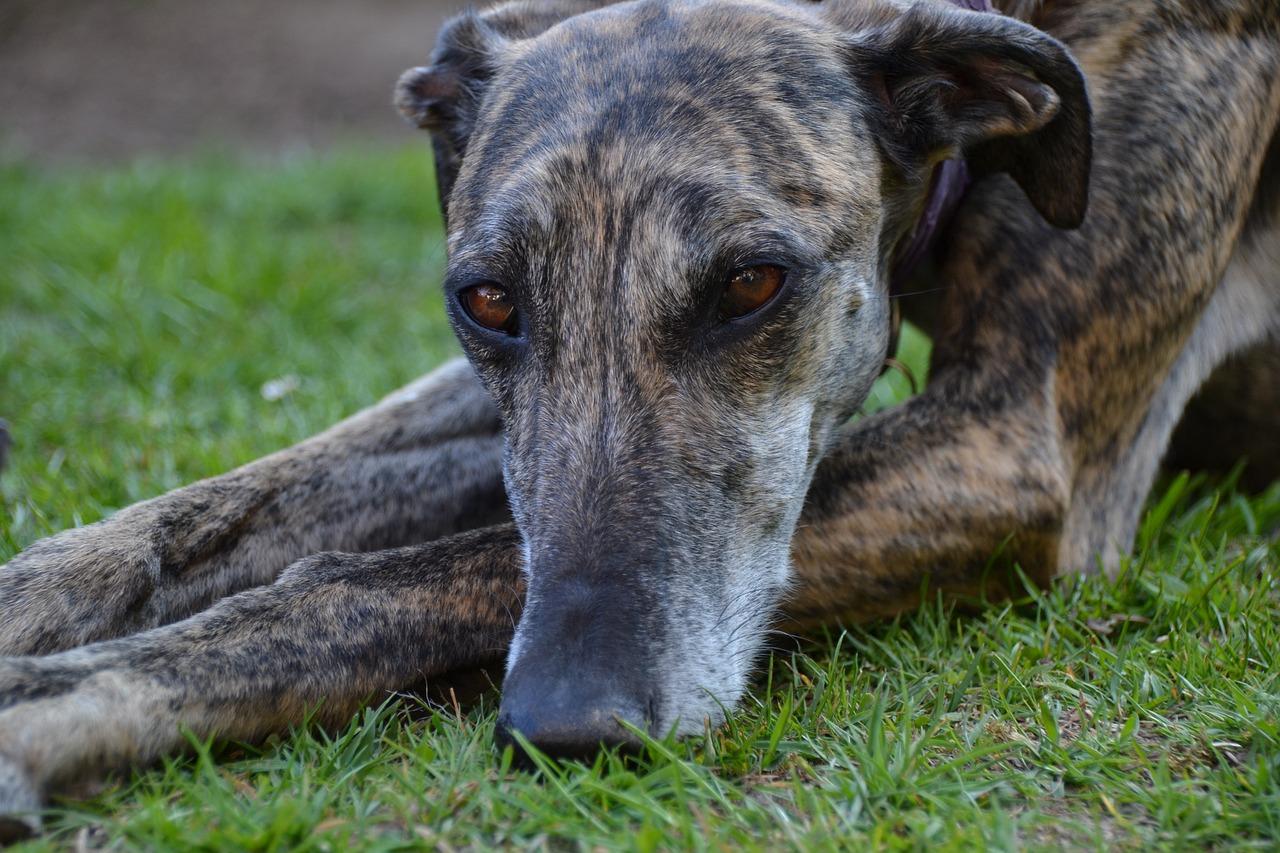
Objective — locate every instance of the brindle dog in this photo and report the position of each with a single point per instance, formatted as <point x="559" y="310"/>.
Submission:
<point x="670" y="225"/>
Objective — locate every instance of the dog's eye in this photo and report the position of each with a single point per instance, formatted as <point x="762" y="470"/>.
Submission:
<point x="749" y="288"/>
<point x="490" y="306"/>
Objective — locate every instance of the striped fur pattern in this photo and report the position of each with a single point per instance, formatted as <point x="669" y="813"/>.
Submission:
<point x="660" y="487"/>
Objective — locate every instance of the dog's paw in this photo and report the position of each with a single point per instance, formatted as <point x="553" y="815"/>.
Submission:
<point x="19" y="803"/>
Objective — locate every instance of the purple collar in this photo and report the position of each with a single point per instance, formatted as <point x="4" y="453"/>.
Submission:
<point x="947" y="187"/>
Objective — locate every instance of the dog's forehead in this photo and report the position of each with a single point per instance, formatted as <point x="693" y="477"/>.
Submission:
<point x="630" y="32"/>
<point x="652" y="68"/>
<point x="702" y="114"/>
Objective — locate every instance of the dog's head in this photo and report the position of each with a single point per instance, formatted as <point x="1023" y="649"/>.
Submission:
<point x="669" y="226"/>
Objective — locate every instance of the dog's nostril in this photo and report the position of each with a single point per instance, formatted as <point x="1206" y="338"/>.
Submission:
<point x="576" y="734"/>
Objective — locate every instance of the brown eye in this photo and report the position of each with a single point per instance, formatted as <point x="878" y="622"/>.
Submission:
<point x="490" y="306"/>
<point x="749" y="288"/>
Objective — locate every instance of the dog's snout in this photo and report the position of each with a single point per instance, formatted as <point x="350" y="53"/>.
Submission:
<point x="569" y="720"/>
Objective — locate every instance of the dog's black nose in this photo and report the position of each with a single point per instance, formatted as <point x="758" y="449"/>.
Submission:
<point x="567" y="717"/>
<point x="576" y="735"/>
<point x="583" y="661"/>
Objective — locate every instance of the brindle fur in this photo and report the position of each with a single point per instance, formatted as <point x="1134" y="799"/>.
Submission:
<point x="1063" y="361"/>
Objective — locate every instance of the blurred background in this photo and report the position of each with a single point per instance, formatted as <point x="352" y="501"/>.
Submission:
<point x="217" y="236"/>
<point x="98" y="81"/>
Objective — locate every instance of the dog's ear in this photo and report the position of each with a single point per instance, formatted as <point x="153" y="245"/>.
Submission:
<point x="1005" y="95"/>
<point x="444" y="97"/>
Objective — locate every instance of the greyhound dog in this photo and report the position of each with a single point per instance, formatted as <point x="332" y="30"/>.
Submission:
<point x="671" y="226"/>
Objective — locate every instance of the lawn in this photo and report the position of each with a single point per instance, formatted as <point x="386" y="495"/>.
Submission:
<point x="164" y="322"/>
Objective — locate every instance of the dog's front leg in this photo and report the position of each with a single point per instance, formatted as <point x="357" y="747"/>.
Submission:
<point x="421" y="464"/>
<point x="334" y="631"/>
<point x="933" y="495"/>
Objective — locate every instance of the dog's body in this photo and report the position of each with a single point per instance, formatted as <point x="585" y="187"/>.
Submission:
<point x="1063" y="361"/>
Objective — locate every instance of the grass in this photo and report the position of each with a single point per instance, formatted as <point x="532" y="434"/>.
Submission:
<point x="142" y="311"/>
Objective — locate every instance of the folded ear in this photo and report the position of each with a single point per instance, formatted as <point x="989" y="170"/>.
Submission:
<point x="1006" y="96"/>
<point x="445" y="96"/>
